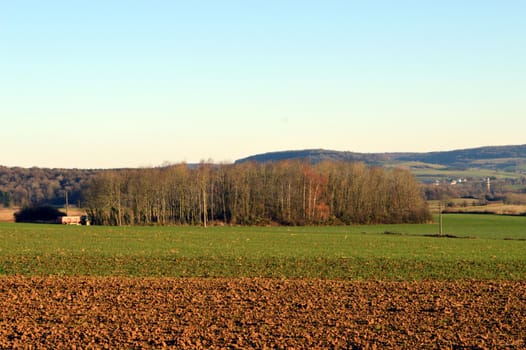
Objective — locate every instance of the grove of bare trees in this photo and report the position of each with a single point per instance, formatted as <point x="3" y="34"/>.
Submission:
<point x="286" y="193"/>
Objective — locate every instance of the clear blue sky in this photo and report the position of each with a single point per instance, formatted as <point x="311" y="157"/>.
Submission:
<point x="123" y="83"/>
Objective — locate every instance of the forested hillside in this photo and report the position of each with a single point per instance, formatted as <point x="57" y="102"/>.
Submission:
<point x="34" y="186"/>
<point x="498" y="157"/>
<point x="509" y="158"/>
<point x="289" y="193"/>
<point x="316" y="156"/>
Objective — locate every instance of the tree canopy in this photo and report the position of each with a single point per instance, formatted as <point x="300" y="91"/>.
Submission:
<point x="285" y="193"/>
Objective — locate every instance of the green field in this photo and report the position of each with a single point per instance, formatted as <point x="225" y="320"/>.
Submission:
<point x="488" y="247"/>
<point x="430" y="172"/>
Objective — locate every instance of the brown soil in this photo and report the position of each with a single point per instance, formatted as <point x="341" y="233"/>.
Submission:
<point x="108" y="312"/>
<point x="498" y="209"/>
<point x="6" y="215"/>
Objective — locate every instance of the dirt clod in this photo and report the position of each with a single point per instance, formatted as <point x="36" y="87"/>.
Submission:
<point x="111" y="312"/>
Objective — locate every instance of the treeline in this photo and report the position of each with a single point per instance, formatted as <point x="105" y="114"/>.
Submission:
<point x="24" y="187"/>
<point x="506" y="190"/>
<point x="286" y="193"/>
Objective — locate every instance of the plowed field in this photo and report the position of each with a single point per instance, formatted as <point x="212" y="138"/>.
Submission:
<point x="110" y="312"/>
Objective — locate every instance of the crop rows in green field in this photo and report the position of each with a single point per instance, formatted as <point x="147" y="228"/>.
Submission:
<point x="487" y="247"/>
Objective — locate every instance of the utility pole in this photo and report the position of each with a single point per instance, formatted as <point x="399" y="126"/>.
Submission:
<point x="440" y="225"/>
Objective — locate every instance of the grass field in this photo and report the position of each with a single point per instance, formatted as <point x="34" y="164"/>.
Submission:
<point x="430" y="172"/>
<point x="355" y="287"/>
<point x="488" y="247"/>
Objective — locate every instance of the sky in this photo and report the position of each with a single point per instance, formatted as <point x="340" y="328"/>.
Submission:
<point x="125" y="83"/>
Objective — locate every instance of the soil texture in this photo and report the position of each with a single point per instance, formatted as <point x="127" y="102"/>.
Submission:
<point x="198" y="313"/>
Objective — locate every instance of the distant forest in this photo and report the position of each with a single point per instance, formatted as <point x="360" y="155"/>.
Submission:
<point x="319" y="187"/>
<point x="286" y="193"/>
<point x="21" y="187"/>
<point x="287" y="188"/>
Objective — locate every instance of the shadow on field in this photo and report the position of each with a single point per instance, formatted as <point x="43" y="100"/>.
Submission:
<point x="432" y="235"/>
<point x="435" y="235"/>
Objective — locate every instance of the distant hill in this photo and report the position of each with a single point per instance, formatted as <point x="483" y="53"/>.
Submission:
<point x="493" y="157"/>
<point x="504" y="158"/>
<point x="314" y="156"/>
